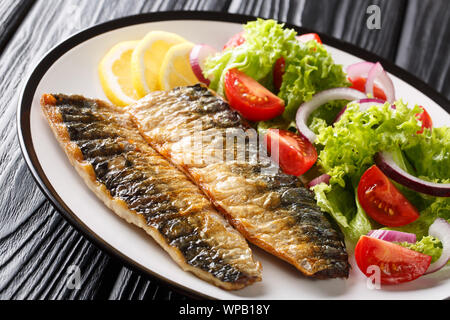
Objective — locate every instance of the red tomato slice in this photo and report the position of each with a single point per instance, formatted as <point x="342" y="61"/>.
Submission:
<point x="278" y="72"/>
<point x="250" y="99"/>
<point x="397" y="264"/>
<point x="235" y="41"/>
<point x="309" y="36"/>
<point x="382" y="201"/>
<point x="360" y="85"/>
<point x="294" y="153"/>
<point x="426" y="120"/>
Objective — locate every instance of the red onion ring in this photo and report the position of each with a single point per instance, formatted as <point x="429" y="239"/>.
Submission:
<point x="377" y="72"/>
<point x="393" y="236"/>
<point x="372" y="72"/>
<point x="386" y="163"/>
<point x="197" y="57"/>
<point x="359" y="69"/>
<point x="319" y="99"/>
<point x="365" y="104"/>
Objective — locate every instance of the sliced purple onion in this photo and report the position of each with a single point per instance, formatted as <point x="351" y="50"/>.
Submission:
<point x="364" y="104"/>
<point x="440" y="229"/>
<point x="393" y="236"/>
<point x="319" y="99"/>
<point x="324" y="178"/>
<point x="377" y="73"/>
<point x="373" y="72"/>
<point x="197" y="57"/>
<point x="359" y="69"/>
<point x="386" y="163"/>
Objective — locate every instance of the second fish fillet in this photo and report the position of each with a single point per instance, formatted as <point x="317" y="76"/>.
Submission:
<point x="189" y="126"/>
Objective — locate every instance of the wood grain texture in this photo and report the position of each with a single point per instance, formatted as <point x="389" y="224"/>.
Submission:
<point x="37" y="246"/>
<point x="424" y="47"/>
<point x="12" y="15"/>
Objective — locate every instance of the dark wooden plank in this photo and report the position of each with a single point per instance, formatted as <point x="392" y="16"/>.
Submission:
<point x="424" y="47"/>
<point x="13" y="13"/>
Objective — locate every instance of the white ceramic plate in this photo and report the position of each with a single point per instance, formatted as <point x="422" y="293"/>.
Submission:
<point x="71" y="68"/>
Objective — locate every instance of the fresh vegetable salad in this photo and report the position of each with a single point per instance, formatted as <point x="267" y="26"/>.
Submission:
<point x="375" y="164"/>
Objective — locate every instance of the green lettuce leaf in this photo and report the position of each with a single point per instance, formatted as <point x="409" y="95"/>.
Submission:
<point x="427" y="245"/>
<point x="430" y="157"/>
<point x="309" y="69"/>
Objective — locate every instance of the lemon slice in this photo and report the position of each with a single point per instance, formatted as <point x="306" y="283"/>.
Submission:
<point x="115" y="74"/>
<point x="147" y="59"/>
<point x="176" y="68"/>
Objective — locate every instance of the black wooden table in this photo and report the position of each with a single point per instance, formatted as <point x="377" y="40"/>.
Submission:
<point x="36" y="244"/>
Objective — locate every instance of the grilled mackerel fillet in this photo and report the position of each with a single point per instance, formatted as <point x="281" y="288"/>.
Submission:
<point x="272" y="210"/>
<point x="143" y="188"/>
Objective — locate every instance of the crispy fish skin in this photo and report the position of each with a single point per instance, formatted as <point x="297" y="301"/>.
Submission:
<point x="143" y="188"/>
<point x="274" y="211"/>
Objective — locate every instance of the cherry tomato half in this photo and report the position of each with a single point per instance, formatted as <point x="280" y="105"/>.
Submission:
<point x="294" y="153"/>
<point x="360" y="85"/>
<point x="235" y="41"/>
<point x="396" y="264"/>
<point x="309" y="36"/>
<point x="382" y="201"/>
<point x="425" y="118"/>
<point x="251" y="99"/>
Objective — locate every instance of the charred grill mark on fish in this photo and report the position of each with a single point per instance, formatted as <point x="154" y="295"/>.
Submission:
<point x="167" y="204"/>
<point x="273" y="210"/>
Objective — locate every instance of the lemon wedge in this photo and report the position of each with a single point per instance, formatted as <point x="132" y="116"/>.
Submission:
<point x="176" y="68"/>
<point x="115" y="74"/>
<point x="147" y="59"/>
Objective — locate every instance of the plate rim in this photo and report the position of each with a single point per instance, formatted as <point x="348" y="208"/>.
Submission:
<point x="31" y="82"/>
